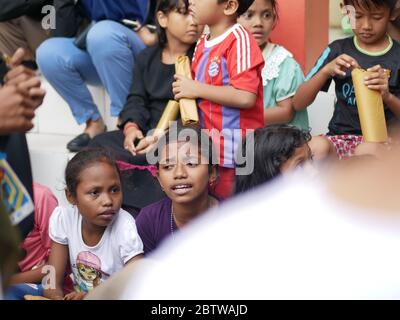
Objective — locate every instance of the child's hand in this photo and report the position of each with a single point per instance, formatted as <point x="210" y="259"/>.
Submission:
<point x="131" y="135"/>
<point x="75" y="296"/>
<point x="378" y="80"/>
<point x="340" y="65"/>
<point x="184" y="88"/>
<point x="146" y="144"/>
<point x="15" y="115"/>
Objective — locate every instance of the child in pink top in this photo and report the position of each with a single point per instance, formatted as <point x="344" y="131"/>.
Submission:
<point x="36" y="245"/>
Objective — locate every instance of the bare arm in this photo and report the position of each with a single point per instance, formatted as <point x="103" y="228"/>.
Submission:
<point x="223" y="95"/>
<point x="31" y="276"/>
<point x="393" y="103"/>
<point x="58" y="259"/>
<point x="135" y="259"/>
<point x="308" y="91"/>
<point x="282" y="113"/>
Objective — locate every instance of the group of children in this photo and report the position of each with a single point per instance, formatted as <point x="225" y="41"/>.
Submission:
<point x="242" y="82"/>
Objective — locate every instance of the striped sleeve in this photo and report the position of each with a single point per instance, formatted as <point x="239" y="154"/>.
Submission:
<point x="327" y="56"/>
<point x="245" y="61"/>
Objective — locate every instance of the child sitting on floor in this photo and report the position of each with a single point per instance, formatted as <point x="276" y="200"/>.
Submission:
<point x="278" y="149"/>
<point x="185" y="172"/>
<point x="93" y="233"/>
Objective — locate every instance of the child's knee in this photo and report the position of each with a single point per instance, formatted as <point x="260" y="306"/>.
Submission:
<point x="321" y="148"/>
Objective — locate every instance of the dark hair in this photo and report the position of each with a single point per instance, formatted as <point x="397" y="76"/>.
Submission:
<point x="243" y="5"/>
<point x="275" y="10"/>
<point x="369" y="4"/>
<point x="189" y="133"/>
<point x="83" y="160"/>
<point x="166" y="6"/>
<point x="273" y="145"/>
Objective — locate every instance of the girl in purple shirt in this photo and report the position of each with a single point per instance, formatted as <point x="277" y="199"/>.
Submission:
<point x="185" y="172"/>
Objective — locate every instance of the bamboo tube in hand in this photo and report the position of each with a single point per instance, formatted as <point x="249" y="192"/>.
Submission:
<point x="170" y="113"/>
<point x="370" y="109"/>
<point x="188" y="107"/>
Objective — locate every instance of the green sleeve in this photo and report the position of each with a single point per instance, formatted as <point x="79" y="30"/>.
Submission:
<point x="290" y="78"/>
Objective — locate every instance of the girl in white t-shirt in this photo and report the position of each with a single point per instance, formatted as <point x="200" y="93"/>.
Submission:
<point x="97" y="236"/>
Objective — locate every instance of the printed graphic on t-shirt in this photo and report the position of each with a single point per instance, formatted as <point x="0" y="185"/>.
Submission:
<point x="88" y="271"/>
<point x="13" y="193"/>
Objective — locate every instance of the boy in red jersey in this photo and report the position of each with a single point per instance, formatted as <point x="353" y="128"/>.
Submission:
<point x="227" y="66"/>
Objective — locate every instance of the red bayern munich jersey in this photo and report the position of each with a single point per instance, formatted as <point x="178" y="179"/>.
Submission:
<point x="232" y="59"/>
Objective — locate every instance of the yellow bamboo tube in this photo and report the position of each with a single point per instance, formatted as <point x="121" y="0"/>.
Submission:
<point x="370" y="109"/>
<point x="170" y="113"/>
<point x="188" y="107"/>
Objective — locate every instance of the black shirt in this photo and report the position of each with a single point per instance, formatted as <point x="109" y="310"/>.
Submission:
<point x="345" y="118"/>
<point x="151" y="89"/>
<point x="11" y="9"/>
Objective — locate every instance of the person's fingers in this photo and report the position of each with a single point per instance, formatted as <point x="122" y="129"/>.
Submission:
<point x="373" y="75"/>
<point x="17" y="80"/>
<point x="376" y="87"/>
<point x="178" y="96"/>
<point x="143" y="144"/>
<point x="178" y="77"/>
<point x="25" y="86"/>
<point x="374" y="81"/>
<point x="15" y="97"/>
<point x="31" y="104"/>
<point x="21" y="124"/>
<point x="374" y="68"/>
<point x="339" y="72"/>
<point x="17" y="71"/>
<point x="146" y="150"/>
<point x="28" y="113"/>
<point x="139" y="134"/>
<point x="175" y="85"/>
<point x="350" y="60"/>
<point x="37" y="92"/>
<point x="18" y="57"/>
<point x="129" y="145"/>
<point x="148" y="144"/>
<point x="343" y="63"/>
<point x="176" y="90"/>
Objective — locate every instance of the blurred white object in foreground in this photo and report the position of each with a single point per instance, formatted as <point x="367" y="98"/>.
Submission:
<point x="337" y="238"/>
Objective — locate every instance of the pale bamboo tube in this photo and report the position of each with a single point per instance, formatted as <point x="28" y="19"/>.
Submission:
<point x="370" y="109"/>
<point x="170" y="113"/>
<point x="188" y="107"/>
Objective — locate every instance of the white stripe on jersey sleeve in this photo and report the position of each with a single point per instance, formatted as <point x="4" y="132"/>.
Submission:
<point x="239" y="59"/>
